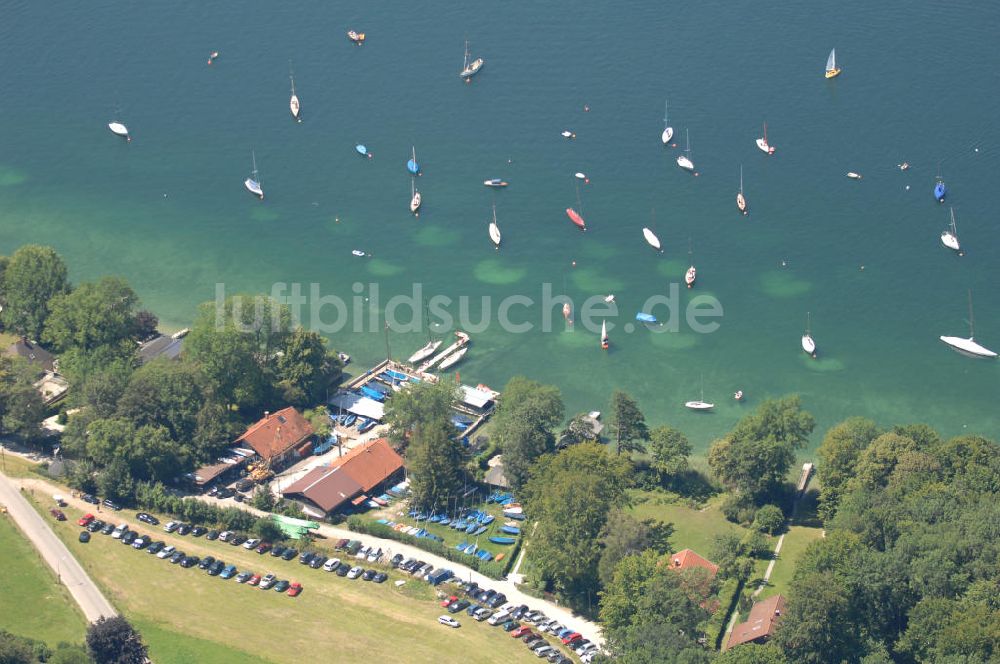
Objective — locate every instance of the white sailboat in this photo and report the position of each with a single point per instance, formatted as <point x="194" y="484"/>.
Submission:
<point x="425" y="351"/>
<point x="651" y="238"/>
<point x="762" y="143"/>
<point x="684" y="161"/>
<point x="604" y="335"/>
<point x="949" y="237"/>
<point x="969" y="346"/>
<point x="293" y="102"/>
<point x="495" y="229"/>
<point x="692" y="274"/>
<point x="808" y="345"/>
<point x="668" y="131"/>
<point x="454" y="358"/>
<point x="415" y="198"/>
<point x="252" y="183"/>
<point x="118" y="129"/>
<point x="832" y="70"/>
<point x="470" y="69"/>
<point x="741" y="202"/>
<point x="700" y="404"/>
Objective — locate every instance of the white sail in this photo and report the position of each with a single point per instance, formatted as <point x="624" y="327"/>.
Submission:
<point x="831" y="61"/>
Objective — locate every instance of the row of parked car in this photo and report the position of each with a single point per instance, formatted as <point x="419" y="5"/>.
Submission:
<point x="165" y="551"/>
<point x="510" y="617"/>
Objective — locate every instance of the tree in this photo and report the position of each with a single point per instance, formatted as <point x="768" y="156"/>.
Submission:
<point x="579" y="430"/>
<point x="570" y="495"/>
<point x="145" y="324"/>
<point x="434" y="466"/>
<point x="319" y="419"/>
<point x="624" y="535"/>
<point x="754" y="458"/>
<point x="524" y="422"/>
<point x="21" y="407"/>
<point x="16" y="649"/>
<point x="769" y="519"/>
<point x="838" y="454"/>
<point x="819" y="625"/>
<point x="115" y="641"/>
<point x="99" y="377"/>
<point x="422" y="404"/>
<point x="751" y="653"/>
<point x="69" y="654"/>
<point x="670" y="450"/>
<point x="268" y="530"/>
<point x="627" y="422"/>
<point x="94" y="315"/>
<point x="34" y="275"/>
<point x="165" y="393"/>
<point x="306" y="368"/>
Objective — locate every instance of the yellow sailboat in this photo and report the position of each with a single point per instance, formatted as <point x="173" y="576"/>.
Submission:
<point x="832" y="70"/>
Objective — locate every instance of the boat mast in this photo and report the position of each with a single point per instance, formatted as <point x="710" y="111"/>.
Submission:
<point x="465" y="66"/>
<point x="666" y="114"/>
<point x="954" y="230"/>
<point x="741" y="178"/>
<point x="807" y="324"/>
<point x="972" y="323"/>
<point x="253" y="159"/>
<point x="687" y="134"/>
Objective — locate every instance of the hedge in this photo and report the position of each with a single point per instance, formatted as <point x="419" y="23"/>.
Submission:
<point x="729" y="594"/>
<point x="156" y="498"/>
<point x="492" y="569"/>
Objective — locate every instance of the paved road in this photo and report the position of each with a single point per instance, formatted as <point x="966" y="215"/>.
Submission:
<point x="588" y="629"/>
<point x="54" y="552"/>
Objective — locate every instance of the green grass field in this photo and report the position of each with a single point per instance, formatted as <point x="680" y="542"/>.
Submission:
<point x="32" y="604"/>
<point x="797" y="539"/>
<point x="194" y="616"/>
<point x="16" y="466"/>
<point x="693" y="528"/>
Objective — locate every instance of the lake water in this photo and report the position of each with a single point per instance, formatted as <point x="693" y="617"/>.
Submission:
<point x="169" y="211"/>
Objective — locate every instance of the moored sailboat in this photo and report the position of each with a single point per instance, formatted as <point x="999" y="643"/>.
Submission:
<point x="684" y="161"/>
<point x="668" y="131"/>
<point x="970" y="346"/>
<point x="691" y="274"/>
<point x="808" y="344"/>
<point x="832" y="70"/>
<point x="252" y="183"/>
<point x="574" y="216"/>
<point x="470" y="68"/>
<point x="949" y="237"/>
<point x="411" y="165"/>
<point x="293" y="102"/>
<point x="495" y="229"/>
<point x="454" y="358"/>
<point x="741" y="201"/>
<point x="700" y="404"/>
<point x="651" y="239"/>
<point x="118" y="129"/>
<point x="940" y="189"/>
<point x="762" y="143"/>
<point x="604" y="335"/>
<point x="415" y="198"/>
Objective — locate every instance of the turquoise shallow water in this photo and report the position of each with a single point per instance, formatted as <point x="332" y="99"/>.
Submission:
<point x="169" y="212"/>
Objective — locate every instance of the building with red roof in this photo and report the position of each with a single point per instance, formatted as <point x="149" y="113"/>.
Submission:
<point x="761" y="623"/>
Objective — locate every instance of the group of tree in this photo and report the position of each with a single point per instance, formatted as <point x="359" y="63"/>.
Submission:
<point x="908" y="569"/>
<point x="108" y="641"/>
<point x="525" y="424"/>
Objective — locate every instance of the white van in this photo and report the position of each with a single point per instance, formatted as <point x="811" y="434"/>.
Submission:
<point x="498" y="618"/>
<point x="119" y="531"/>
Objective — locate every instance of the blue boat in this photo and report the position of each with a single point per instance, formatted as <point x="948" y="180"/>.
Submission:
<point x="412" y="166"/>
<point x="645" y="318"/>
<point x="349" y="420"/>
<point x="472" y="528"/>
<point x="510" y="530"/>
<point x="421" y="517"/>
<point x="940" y="190"/>
<point x="372" y="394"/>
<point x="367" y="426"/>
<point x="471" y="549"/>
<point x="395" y="375"/>
<point x="485" y="555"/>
<point x="479" y="531"/>
<point x="445" y="521"/>
<point x="362" y="150"/>
<point x="435" y="519"/>
<point x="487" y="520"/>
<point x="517" y="516"/>
<point x="461" y="546"/>
<point x="503" y="540"/>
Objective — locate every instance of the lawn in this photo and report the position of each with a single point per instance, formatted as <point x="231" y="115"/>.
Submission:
<point x="32" y="604"/>
<point x="694" y="529"/>
<point x="797" y="539"/>
<point x="194" y="616"/>
<point x="16" y="466"/>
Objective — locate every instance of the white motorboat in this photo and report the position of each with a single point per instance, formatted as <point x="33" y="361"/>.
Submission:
<point x="425" y="351"/>
<point x="252" y="183"/>
<point x="495" y="182"/>
<point x="808" y="344"/>
<point x="495" y="229"/>
<point x="609" y="298"/>
<point x="969" y="347"/>
<point x="684" y="161"/>
<point x="581" y="176"/>
<point x="699" y="405"/>
<point x="949" y="237"/>
<point x="651" y="239"/>
<point x="853" y="175"/>
<point x="454" y="358"/>
<point x="358" y="252"/>
<point x="762" y="143"/>
<point x="668" y="131"/>
<point x="568" y="134"/>
<point x="118" y="129"/>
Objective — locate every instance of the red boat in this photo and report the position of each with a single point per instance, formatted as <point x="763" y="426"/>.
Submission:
<point x="576" y="218"/>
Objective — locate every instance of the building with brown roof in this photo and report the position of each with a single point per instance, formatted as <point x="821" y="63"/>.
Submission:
<point x="277" y="436"/>
<point x="349" y="478"/>
<point x="688" y="559"/>
<point x="761" y="623"/>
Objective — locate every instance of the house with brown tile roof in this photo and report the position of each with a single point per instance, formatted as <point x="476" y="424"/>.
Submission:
<point x="761" y="623"/>
<point x="348" y="478"/>
<point x="688" y="559"/>
<point x="276" y="436"/>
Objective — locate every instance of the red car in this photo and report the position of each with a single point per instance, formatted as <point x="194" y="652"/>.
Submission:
<point x="294" y="589"/>
<point x="569" y="638"/>
<point x="448" y="602"/>
<point x="523" y="630"/>
<point x="263" y="548"/>
<point x="57" y="514"/>
<point x="254" y="580"/>
<point x="85" y="519"/>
